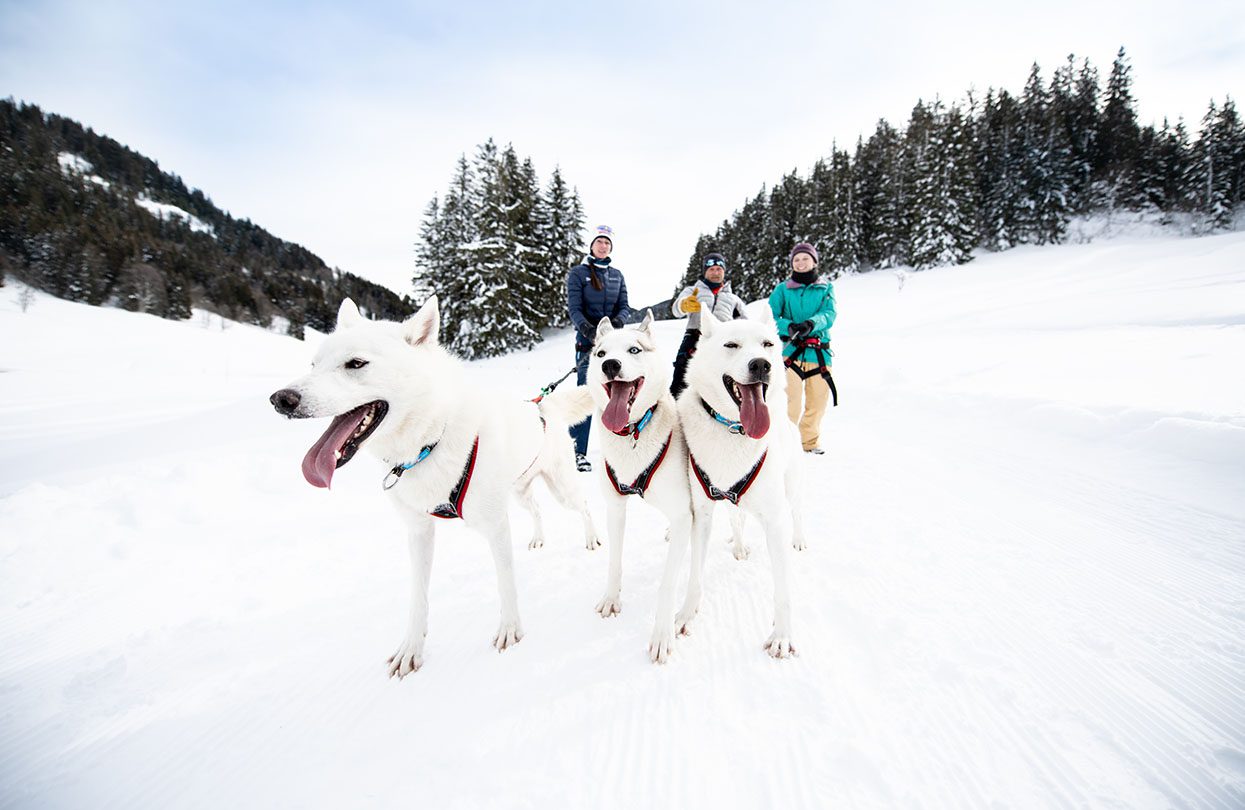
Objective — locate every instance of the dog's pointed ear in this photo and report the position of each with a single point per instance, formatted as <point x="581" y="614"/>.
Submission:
<point x="646" y="325"/>
<point x="707" y="322"/>
<point x="604" y="327"/>
<point x="348" y="314"/>
<point x="424" y="326"/>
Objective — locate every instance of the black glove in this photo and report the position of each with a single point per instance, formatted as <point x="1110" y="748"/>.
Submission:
<point x="801" y="330"/>
<point x="587" y="334"/>
<point x="616" y="322"/>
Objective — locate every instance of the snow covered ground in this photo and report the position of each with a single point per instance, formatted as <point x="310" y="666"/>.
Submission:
<point x="1025" y="586"/>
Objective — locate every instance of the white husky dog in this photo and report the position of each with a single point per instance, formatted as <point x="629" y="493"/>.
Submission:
<point x="453" y="449"/>
<point x="644" y="454"/>
<point x="736" y="455"/>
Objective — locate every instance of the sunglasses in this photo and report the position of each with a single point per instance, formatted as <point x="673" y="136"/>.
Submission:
<point x="715" y="262"/>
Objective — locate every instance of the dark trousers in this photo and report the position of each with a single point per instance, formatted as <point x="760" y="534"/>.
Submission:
<point x="686" y="349"/>
<point x="580" y="432"/>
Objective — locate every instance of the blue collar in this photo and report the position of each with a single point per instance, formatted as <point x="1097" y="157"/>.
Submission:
<point x="392" y="478"/>
<point x="734" y="427"/>
<point x="633" y="430"/>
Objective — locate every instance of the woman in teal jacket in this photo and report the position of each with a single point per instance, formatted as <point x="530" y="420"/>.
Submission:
<point x="803" y="308"/>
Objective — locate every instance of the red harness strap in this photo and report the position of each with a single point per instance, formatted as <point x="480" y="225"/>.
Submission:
<point x="453" y="508"/>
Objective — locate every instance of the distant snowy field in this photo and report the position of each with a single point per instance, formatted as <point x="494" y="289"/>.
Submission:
<point x="1025" y="585"/>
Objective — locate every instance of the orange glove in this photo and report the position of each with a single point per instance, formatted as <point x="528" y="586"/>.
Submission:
<point x="689" y="305"/>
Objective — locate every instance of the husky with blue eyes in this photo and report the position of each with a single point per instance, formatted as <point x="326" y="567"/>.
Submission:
<point x="735" y="453"/>
<point x="645" y="457"/>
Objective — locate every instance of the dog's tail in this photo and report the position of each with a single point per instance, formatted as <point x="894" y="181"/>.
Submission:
<point x="567" y="405"/>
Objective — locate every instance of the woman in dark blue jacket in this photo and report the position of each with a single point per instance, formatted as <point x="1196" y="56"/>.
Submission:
<point x="594" y="290"/>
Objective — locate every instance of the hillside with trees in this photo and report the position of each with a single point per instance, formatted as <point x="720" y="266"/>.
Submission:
<point x="87" y="219"/>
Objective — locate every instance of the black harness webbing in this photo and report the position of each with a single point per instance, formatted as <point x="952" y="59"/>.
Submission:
<point x="734" y="493"/>
<point x="640" y="484"/>
<point x="453" y="508"/>
<point x="822" y="368"/>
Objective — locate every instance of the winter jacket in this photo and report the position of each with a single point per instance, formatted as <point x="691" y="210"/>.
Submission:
<point x="724" y="304"/>
<point x="587" y="306"/>
<point x="792" y="302"/>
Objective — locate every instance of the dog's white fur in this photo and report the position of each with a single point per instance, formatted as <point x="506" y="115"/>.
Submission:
<point x="430" y="400"/>
<point x="636" y="355"/>
<point x="727" y="348"/>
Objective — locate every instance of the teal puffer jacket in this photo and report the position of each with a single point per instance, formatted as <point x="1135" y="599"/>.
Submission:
<point x="792" y="302"/>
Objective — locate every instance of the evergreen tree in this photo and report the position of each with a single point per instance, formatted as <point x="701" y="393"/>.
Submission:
<point x="879" y="197"/>
<point x="563" y="223"/>
<point x="1119" y="139"/>
<point x="1213" y="166"/>
<point x="840" y="234"/>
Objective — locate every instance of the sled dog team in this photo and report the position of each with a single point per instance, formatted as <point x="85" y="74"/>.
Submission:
<point x="454" y="450"/>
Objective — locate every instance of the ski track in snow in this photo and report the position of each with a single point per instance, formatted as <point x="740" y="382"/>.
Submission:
<point x="1025" y="585"/>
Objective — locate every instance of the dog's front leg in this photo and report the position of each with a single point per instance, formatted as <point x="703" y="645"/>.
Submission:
<point x="661" y="645"/>
<point x="738" y="547"/>
<point x="701" y="529"/>
<point x="410" y="655"/>
<point x="616" y="527"/>
<point x="510" y="631"/>
<point x="777" y="522"/>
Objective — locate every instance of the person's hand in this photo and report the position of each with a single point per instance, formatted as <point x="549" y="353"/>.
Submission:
<point x="689" y="305"/>
<point x="616" y="322"/>
<point x="587" y="333"/>
<point x="801" y="330"/>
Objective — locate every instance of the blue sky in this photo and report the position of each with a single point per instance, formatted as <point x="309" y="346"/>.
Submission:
<point x="333" y="124"/>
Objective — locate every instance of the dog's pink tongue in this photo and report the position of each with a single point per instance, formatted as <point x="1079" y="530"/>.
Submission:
<point x="321" y="459"/>
<point x="618" y="413"/>
<point x="753" y="412"/>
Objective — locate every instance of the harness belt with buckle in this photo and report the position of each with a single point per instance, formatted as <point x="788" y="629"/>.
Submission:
<point x="735" y="492"/>
<point x="822" y="369"/>
<point x="640" y="484"/>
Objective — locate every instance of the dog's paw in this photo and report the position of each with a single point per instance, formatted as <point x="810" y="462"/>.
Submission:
<point x="683" y="621"/>
<point x="780" y="646"/>
<point x="593" y="543"/>
<point x="740" y="551"/>
<point x="508" y="635"/>
<point x="611" y="605"/>
<point x="537" y="542"/>
<point x="408" y="659"/>
<point x="661" y="646"/>
<point x="798" y="543"/>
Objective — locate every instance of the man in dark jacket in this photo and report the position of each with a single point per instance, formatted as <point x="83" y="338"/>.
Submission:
<point x="594" y="290"/>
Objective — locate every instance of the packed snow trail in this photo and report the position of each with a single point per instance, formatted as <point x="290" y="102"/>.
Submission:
<point x="1025" y="584"/>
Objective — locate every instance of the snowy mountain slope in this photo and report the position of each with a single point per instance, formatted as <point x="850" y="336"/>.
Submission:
<point x="1024" y="587"/>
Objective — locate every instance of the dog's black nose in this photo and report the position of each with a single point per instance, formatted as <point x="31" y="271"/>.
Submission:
<point x="759" y="368"/>
<point x="285" y="401"/>
<point x="611" y="368"/>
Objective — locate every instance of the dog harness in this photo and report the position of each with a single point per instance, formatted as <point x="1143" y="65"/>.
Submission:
<point x="735" y="492"/>
<point x="453" y="508"/>
<point x="734" y="427"/>
<point x="640" y="484"/>
<point x="633" y="429"/>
